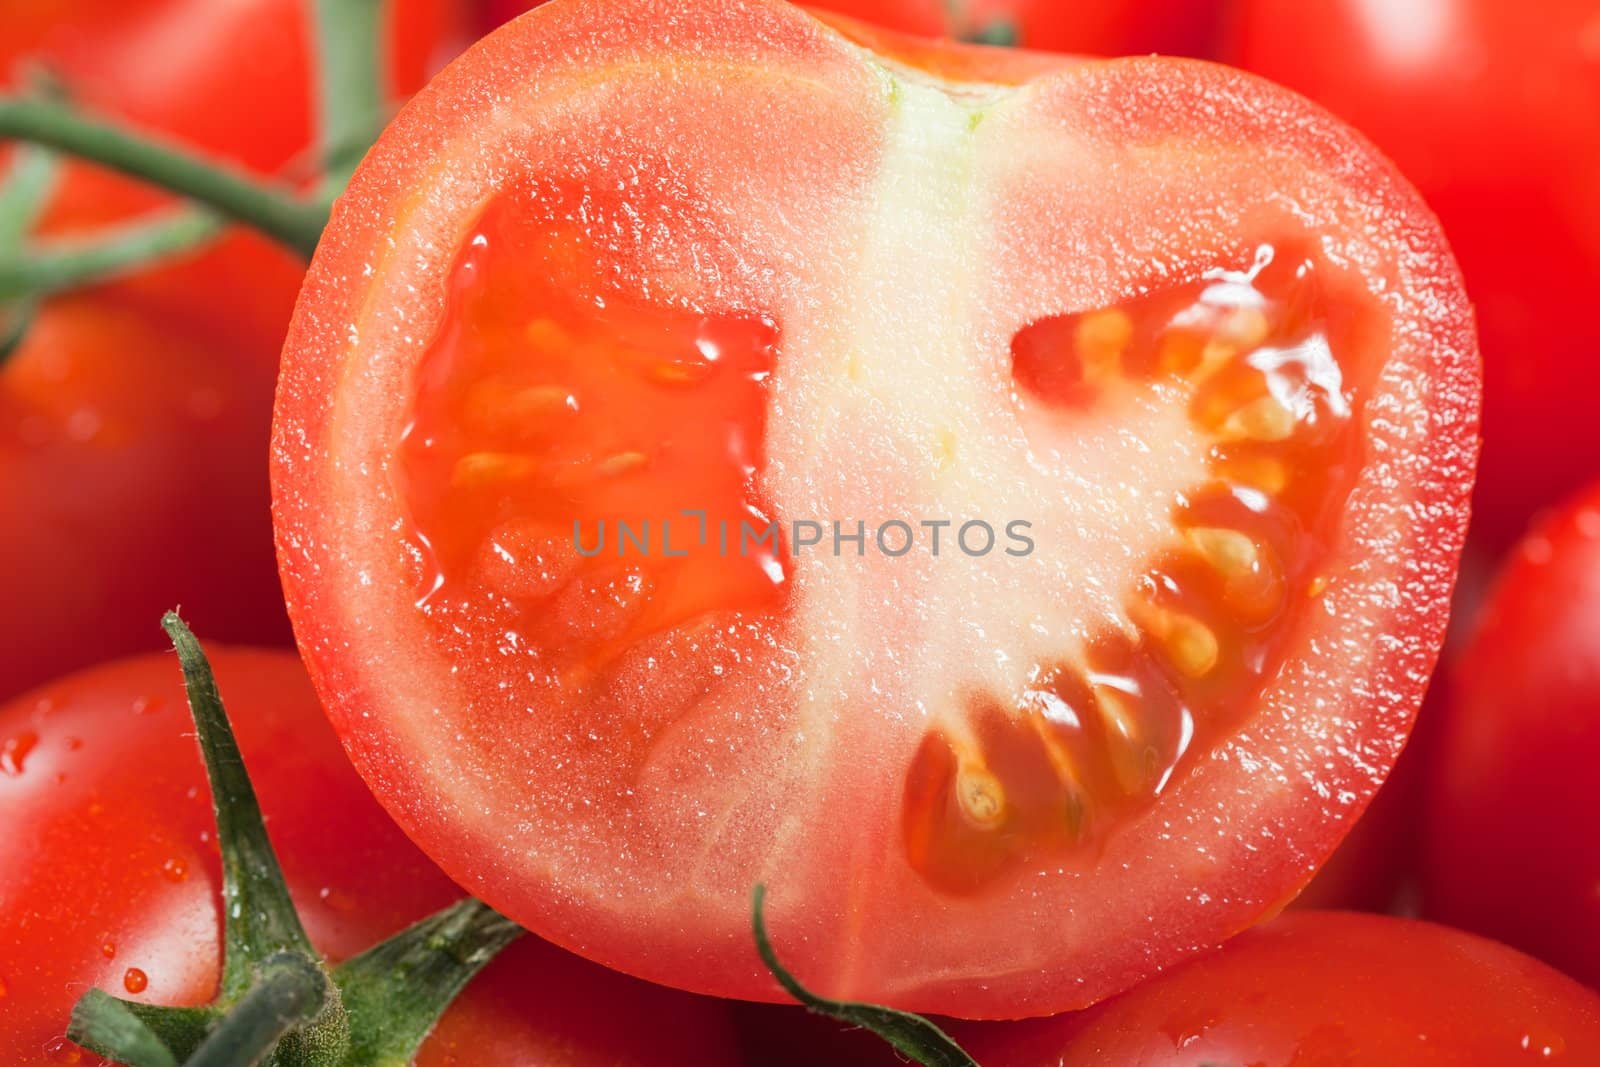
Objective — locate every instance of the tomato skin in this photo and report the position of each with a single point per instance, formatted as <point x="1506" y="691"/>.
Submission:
<point x="1493" y="110"/>
<point x="1323" y="987"/>
<point x="354" y="600"/>
<point x="130" y="456"/>
<point x="109" y="862"/>
<point x="1510" y="849"/>
<point x="1101" y="27"/>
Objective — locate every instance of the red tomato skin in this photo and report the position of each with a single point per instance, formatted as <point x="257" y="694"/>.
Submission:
<point x="1323" y="988"/>
<point x="1511" y="852"/>
<point x="1493" y="110"/>
<point x="1148" y="109"/>
<point x="1101" y="27"/>
<point x="131" y="461"/>
<point x="109" y="862"/>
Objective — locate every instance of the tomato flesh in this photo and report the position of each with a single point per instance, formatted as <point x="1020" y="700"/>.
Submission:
<point x="1189" y="405"/>
<point x="550" y="453"/>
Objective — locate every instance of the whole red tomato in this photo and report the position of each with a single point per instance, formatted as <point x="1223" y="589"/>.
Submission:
<point x="753" y="303"/>
<point x="1493" y="109"/>
<point x="1090" y="27"/>
<point x="111" y="876"/>
<point x="1511" y="848"/>
<point x="1324" y="988"/>
<point x="133" y="418"/>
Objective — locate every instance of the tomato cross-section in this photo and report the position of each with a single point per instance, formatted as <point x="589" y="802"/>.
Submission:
<point x="1005" y="504"/>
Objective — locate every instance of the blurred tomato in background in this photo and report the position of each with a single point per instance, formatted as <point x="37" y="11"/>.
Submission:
<point x="1511" y="847"/>
<point x="134" y="415"/>
<point x="1492" y="108"/>
<point x="1092" y="27"/>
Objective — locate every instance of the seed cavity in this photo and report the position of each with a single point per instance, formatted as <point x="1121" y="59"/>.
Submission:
<point x="1098" y="735"/>
<point x="1263" y="419"/>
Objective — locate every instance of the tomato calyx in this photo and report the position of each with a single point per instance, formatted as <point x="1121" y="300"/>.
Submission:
<point x="278" y="995"/>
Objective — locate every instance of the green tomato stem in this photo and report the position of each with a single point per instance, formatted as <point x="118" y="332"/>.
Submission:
<point x="911" y="1035"/>
<point x="396" y="991"/>
<point x="292" y="222"/>
<point x="25" y="193"/>
<point x="288" y="992"/>
<point x="105" y="1025"/>
<point x="259" y="920"/>
<point x="46" y="267"/>
<point x="352" y="86"/>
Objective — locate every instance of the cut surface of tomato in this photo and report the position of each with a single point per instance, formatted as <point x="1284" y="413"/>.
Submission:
<point x="1003" y="511"/>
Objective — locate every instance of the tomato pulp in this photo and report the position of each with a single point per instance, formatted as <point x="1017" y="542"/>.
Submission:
<point x="967" y="491"/>
<point x="112" y="876"/>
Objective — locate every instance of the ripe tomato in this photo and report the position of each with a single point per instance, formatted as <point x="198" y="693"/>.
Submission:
<point x="1195" y="355"/>
<point x="1324" y="988"/>
<point x="1511" y="852"/>
<point x="1493" y="109"/>
<point x="131" y="467"/>
<point x="133" y="421"/>
<point x="111" y="876"/>
<point x="1097" y="27"/>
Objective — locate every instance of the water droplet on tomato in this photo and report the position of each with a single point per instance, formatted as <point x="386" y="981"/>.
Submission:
<point x="146" y="705"/>
<point x="174" y="869"/>
<point x="1543" y="1044"/>
<point x="134" y="980"/>
<point x="108" y="949"/>
<point x="336" y="900"/>
<point x="14" y="751"/>
<point x="74" y="744"/>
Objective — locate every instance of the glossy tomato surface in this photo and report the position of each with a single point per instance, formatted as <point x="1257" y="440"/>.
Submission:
<point x="132" y="467"/>
<point x="1092" y="27"/>
<point x="1511" y="849"/>
<point x="620" y="417"/>
<point x="1493" y="110"/>
<point x="111" y="876"/>
<point x="1324" y="988"/>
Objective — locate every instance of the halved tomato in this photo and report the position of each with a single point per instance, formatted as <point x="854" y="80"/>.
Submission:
<point x="1005" y="504"/>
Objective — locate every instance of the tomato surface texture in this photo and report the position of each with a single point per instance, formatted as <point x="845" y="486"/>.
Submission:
<point x="1324" y="988"/>
<point x="1511" y="852"/>
<point x="1005" y="504"/>
<point x="112" y="877"/>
